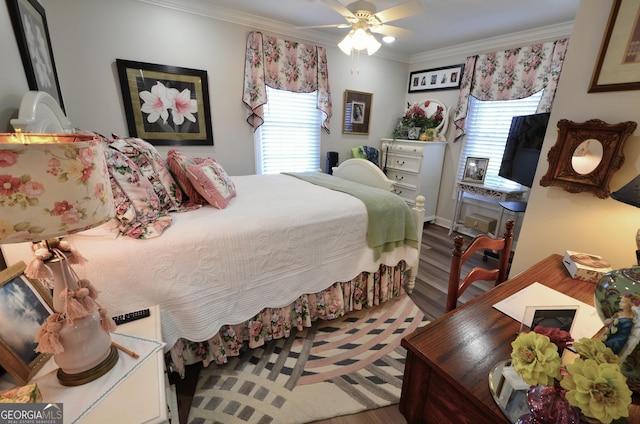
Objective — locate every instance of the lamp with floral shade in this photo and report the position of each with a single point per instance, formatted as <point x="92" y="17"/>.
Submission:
<point x="52" y="185"/>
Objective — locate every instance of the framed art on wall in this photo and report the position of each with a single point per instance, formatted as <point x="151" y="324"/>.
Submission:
<point x="24" y="305"/>
<point x="618" y="64"/>
<point x="475" y="169"/>
<point x="166" y="105"/>
<point x="357" y="112"/>
<point x="448" y="77"/>
<point x="32" y="34"/>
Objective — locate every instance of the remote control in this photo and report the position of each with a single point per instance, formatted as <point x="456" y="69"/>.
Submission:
<point x="131" y="316"/>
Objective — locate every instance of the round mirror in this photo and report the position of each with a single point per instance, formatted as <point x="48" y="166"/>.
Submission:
<point x="587" y="156"/>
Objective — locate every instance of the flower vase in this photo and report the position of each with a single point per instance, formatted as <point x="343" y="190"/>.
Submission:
<point x="549" y="406"/>
<point x="413" y="133"/>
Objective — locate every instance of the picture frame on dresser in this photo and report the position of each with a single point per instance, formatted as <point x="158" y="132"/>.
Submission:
<point x="24" y="305"/>
<point x="29" y="23"/>
<point x="140" y="81"/>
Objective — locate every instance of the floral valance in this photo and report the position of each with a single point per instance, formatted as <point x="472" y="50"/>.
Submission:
<point x="284" y="65"/>
<point x="509" y="75"/>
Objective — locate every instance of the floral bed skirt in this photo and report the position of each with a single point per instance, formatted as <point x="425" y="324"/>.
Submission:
<point x="365" y="291"/>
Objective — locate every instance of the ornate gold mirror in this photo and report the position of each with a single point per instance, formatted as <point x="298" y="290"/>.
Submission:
<point x="586" y="155"/>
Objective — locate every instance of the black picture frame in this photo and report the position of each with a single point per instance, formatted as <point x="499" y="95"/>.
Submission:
<point x="444" y="78"/>
<point x="32" y="34"/>
<point x="21" y="322"/>
<point x="138" y="77"/>
<point x="357" y="112"/>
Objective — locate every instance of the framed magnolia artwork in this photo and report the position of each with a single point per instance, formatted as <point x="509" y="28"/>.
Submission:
<point x="166" y="105"/>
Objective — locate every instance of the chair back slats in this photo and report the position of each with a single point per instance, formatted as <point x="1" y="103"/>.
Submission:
<point x="459" y="256"/>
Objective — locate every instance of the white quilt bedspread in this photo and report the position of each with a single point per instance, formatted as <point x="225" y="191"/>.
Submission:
<point x="278" y="239"/>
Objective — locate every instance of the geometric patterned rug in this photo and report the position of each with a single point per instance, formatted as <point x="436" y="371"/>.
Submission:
<point x="334" y="368"/>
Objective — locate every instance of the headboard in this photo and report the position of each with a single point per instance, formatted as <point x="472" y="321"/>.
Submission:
<point x="40" y="113"/>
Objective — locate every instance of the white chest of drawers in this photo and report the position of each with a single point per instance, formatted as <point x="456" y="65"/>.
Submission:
<point x="416" y="168"/>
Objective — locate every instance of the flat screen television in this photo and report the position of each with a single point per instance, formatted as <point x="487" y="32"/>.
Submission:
<point x="522" y="150"/>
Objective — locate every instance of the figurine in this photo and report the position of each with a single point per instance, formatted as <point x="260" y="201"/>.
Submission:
<point x="621" y="336"/>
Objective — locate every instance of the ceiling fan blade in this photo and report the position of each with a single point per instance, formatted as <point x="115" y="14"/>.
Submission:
<point x="403" y="10"/>
<point x="325" y="26"/>
<point x="394" y="31"/>
<point x="339" y="7"/>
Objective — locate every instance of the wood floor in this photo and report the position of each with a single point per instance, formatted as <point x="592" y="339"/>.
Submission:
<point x="429" y="295"/>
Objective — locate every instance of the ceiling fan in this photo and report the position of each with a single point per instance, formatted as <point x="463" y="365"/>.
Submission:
<point x="362" y="18"/>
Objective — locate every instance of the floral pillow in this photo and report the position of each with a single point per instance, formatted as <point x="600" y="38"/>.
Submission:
<point x="212" y="182"/>
<point x="136" y="202"/>
<point x="154" y="168"/>
<point x="178" y="162"/>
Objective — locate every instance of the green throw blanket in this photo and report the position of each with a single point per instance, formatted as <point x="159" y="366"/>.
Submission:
<point x="390" y="222"/>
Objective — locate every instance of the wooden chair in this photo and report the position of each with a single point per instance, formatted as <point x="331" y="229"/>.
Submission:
<point x="502" y="245"/>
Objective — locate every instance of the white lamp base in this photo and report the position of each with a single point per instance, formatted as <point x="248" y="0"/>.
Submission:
<point x="91" y="374"/>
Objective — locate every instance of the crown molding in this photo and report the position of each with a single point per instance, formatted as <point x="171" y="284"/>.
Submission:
<point x="207" y="9"/>
<point x="515" y="39"/>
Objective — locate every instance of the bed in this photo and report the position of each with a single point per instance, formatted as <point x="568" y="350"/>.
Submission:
<point x="287" y="249"/>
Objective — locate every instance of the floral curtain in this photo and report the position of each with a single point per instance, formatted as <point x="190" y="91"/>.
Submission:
<point x="284" y="65"/>
<point x="509" y="75"/>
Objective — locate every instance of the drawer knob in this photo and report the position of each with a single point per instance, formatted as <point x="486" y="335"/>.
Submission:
<point x="397" y="191"/>
<point x="399" y="162"/>
<point x="399" y="178"/>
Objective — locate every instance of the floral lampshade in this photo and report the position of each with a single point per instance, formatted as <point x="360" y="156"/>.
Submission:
<point x="51" y="185"/>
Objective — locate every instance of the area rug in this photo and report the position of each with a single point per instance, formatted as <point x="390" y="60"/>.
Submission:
<point x="334" y="368"/>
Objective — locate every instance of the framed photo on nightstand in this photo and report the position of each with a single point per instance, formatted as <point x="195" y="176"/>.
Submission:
<point x="24" y="306"/>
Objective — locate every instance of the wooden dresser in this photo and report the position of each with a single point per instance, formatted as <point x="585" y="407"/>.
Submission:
<point x="416" y="168"/>
<point x="446" y="378"/>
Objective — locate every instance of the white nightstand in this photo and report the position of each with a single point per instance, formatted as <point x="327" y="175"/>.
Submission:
<point x="145" y="395"/>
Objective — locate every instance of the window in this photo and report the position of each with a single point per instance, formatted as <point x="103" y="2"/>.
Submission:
<point x="289" y="139"/>
<point x="487" y="128"/>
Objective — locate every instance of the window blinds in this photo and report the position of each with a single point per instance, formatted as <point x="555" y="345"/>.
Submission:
<point x="289" y="139"/>
<point x="487" y="128"/>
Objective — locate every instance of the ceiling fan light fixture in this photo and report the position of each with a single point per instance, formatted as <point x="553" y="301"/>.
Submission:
<point x="360" y="39"/>
<point x="372" y="45"/>
<point x="346" y="45"/>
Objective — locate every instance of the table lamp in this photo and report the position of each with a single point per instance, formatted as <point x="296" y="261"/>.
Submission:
<point x="630" y="194"/>
<point x="611" y="288"/>
<point x="52" y="185"/>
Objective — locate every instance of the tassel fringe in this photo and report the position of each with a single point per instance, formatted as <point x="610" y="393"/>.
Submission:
<point x="78" y="303"/>
<point x="48" y="337"/>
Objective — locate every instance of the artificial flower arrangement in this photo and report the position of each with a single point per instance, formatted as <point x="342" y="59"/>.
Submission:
<point x="593" y="385"/>
<point x="416" y="117"/>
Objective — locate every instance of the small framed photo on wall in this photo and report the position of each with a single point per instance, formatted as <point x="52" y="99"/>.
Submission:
<point x="357" y="112"/>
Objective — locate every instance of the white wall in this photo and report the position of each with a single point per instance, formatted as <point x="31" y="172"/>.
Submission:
<point x="555" y="220"/>
<point x="88" y="36"/>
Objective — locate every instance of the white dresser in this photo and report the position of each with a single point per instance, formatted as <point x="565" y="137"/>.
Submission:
<point x="416" y="168"/>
